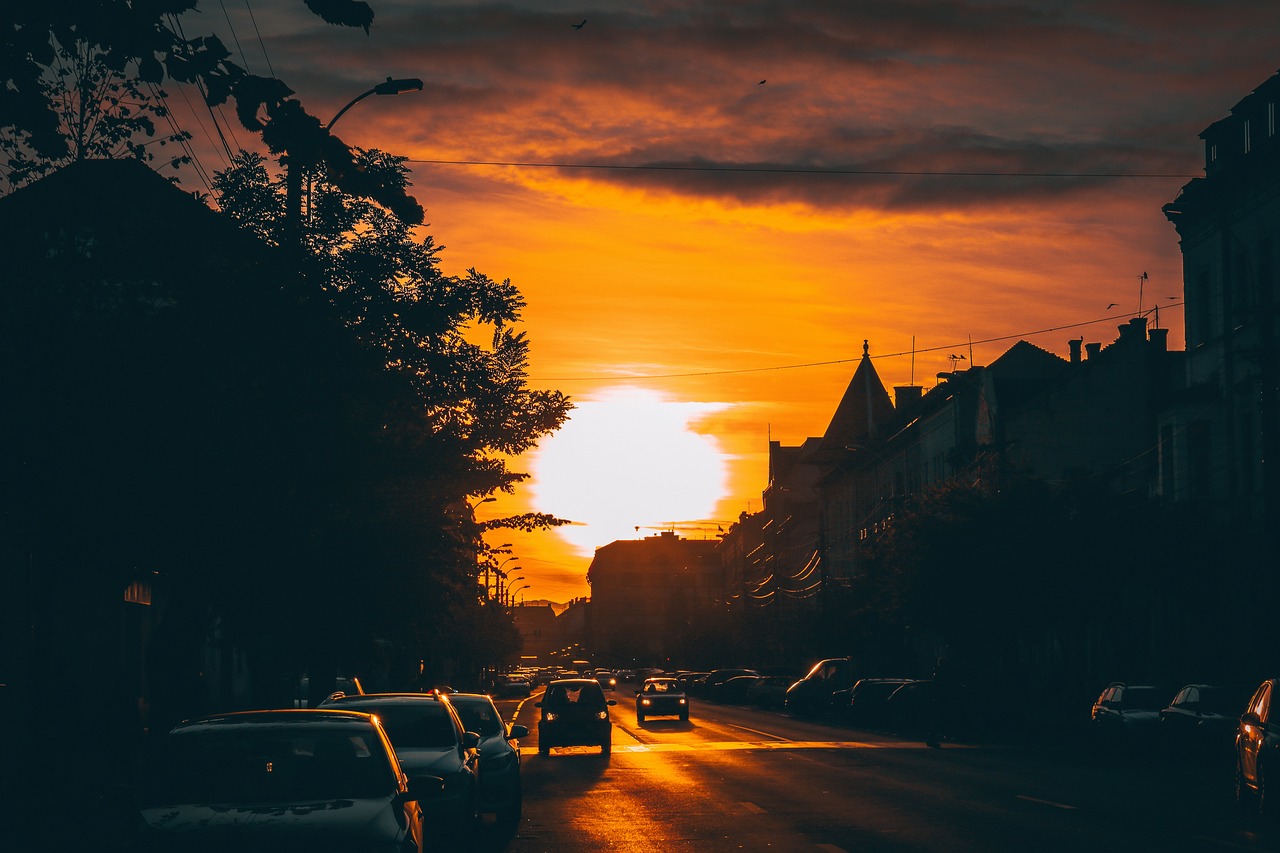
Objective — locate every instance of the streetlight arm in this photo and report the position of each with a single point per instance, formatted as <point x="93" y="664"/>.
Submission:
<point x="390" y="87"/>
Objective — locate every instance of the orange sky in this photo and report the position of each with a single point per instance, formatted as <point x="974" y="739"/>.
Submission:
<point x="721" y="292"/>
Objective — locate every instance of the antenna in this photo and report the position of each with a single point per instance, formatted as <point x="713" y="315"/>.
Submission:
<point x="913" y="359"/>
<point x="1142" y="280"/>
<point x="970" y="350"/>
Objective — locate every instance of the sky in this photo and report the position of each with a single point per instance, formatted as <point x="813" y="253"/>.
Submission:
<point x="710" y="206"/>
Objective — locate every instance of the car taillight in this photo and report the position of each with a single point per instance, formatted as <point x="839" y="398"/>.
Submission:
<point x="644" y="702"/>
<point x="604" y="715"/>
<point x="551" y="716"/>
<point x="683" y="701"/>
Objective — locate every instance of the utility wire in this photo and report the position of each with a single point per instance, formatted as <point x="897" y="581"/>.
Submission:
<point x="1020" y="335"/>
<point x="796" y="170"/>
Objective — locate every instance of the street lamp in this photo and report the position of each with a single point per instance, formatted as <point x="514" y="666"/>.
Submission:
<point x="513" y="580"/>
<point x="511" y="596"/>
<point x="293" y="174"/>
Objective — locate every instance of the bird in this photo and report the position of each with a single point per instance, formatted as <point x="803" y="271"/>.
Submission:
<point x="579" y="26"/>
<point x="1112" y="305"/>
<point x="761" y="83"/>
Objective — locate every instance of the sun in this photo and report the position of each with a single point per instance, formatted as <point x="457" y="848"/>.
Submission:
<point x="629" y="459"/>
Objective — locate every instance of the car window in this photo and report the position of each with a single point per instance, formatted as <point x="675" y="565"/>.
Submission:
<point x="1263" y="703"/>
<point x="479" y="717"/>
<point x="585" y="694"/>
<point x="246" y="766"/>
<point x="421" y="725"/>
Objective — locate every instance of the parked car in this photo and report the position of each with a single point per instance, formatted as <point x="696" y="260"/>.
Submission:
<point x="1202" y="717"/>
<point x="825" y="688"/>
<point x="869" y="701"/>
<point x="769" y="691"/>
<point x="1258" y="751"/>
<point x="734" y="690"/>
<point x="1128" y="714"/>
<point x="429" y="739"/>
<point x="661" y="697"/>
<point x="710" y="685"/>
<point x="501" y="791"/>
<point x="513" y="687"/>
<point x="329" y="779"/>
<point x="575" y="712"/>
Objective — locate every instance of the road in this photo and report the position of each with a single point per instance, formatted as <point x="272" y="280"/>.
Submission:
<point x="735" y="778"/>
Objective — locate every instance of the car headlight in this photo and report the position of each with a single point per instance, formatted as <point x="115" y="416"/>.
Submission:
<point x="551" y="717"/>
<point x="683" y="701"/>
<point x="603" y="715"/>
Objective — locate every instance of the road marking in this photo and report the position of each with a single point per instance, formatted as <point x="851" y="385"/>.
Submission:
<point x="734" y="745"/>
<point x="1045" y="802"/>
<point x="752" y="807"/>
<point x="757" y="732"/>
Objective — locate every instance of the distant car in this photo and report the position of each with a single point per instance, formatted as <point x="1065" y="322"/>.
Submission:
<point x="429" y="739"/>
<point x="769" y="691"/>
<point x="1202" y="717"/>
<point x="500" y="788"/>
<point x="823" y="689"/>
<point x="661" y="697"/>
<point x="607" y="679"/>
<point x="575" y="712"/>
<point x="345" y="685"/>
<point x="1258" y="751"/>
<point x="733" y="691"/>
<point x="710" y="685"/>
<point x="1128" y="714"/>
<point x="869" y="701"/>
<point x="514" y="687"/>
<point x="326" y="780"/>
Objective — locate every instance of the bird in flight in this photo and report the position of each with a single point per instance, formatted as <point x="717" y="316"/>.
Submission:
<point x="579" y="26"/>
<point x="761" y="83"/>
<point x="1112" y="305"/>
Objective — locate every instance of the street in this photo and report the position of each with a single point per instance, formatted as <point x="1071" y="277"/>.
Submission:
<point x="734" y="778"/>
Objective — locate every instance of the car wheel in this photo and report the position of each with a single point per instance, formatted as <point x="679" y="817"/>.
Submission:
<point x="607" y="746"/>
<point x="544" y="749"/>
<point x="1266" y="806"/>
<point x="684" y="716"/>
<point x="510" y="816"/>
<point x="639" y="718"/>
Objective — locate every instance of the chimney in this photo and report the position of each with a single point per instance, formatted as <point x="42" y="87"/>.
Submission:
<point x="1075" y="349"/>
<point x="1091" y="350"/>
<point x="1139" y="327"/>
<point x="906" y="395"/>
<point x="1159" y="339"/>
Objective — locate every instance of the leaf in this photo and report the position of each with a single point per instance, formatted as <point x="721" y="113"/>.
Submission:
<point x="345" y="13"/>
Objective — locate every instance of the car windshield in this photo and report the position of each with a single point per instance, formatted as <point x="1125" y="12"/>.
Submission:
<point x="413" y="725"/>
<point x="479" y="717"/>
<point x="585" y="694"/>
<point x="260" y="764"/>
<point x="665" y="686"/>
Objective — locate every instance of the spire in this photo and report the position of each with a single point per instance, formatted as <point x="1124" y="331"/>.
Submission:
<point x="864" y="407"/>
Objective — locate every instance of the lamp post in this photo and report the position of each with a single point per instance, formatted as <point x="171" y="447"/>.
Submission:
<point x="511" y="597"/>
<point x="513" y="580"/>
<point x="293" y="175"/>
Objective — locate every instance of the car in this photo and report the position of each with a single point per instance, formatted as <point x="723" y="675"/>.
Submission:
<point x="823" y="689"/>
<point x="346" y="685"/>
<point x="1128" y="714"/>
<point x="429" y="739"/>
<point x="607" y="679"/>
<point x="733" y="691"/>
<point x="1257" y="749"/>
<point x="327" y="779"/>
<point x="869" y="701"/>
<point x="500" y="787"/>
<point x="769" y="691"/>
<point x="575" y="712"/>
<point x="710" y="685"/>
<point x="513" y="687"/>
<point x="1202" y="717"/>
<point x="661" y="697"/>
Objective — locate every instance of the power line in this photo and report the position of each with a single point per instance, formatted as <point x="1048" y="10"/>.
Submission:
<point x="797" y="170"/>
<point x="917" y="351"/>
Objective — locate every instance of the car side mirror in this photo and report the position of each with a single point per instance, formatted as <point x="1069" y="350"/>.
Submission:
<point x="537" y="704"/>
<point x="470" y="740"/>
<point x="1249" y="718"/>
<point x="421" y="789"/>
<point x="517" y="731"/>
<point x="612" y="702"/>
<point x="637" y="692"/>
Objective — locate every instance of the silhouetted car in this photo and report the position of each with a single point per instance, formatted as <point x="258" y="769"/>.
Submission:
<point x="500" y="788"/>
<point x="1202" y="717"/>
<point x="429" y="739"/>
<point x="734" y="690"/>
<point x="607" y="679"/>
<point x="514" y="687"/>
<point x="869" y="701"/>
<point x="661" y="697"/>
<point x="1128" y="714"/>
<point x="1258" y="751"/>
<point x="825" y="688"/>
<point x="710" y="685"/>
<point x="575" y="712"/>
<point x="769" y="691"/>
<point x="298" y="780"/>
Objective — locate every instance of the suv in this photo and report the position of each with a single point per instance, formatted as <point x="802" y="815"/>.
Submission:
<point x="575" y="713"/>
<point x="824" y="689"/>
<point x="1128" y="713"/>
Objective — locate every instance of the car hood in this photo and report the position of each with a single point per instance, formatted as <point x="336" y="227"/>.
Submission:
<point x="363" y="824"/>
<point x="441" y="761"/>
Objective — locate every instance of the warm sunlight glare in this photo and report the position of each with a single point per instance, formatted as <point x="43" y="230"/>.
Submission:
<point x="629" y="458"/>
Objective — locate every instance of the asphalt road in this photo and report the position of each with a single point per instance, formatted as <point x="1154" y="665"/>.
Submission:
<point x="741" y="779"/>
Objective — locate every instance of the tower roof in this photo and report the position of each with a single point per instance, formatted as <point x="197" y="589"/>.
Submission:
<point x="864" y="407"/>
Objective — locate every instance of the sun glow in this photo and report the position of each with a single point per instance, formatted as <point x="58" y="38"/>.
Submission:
<point x="629" y="459"/>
